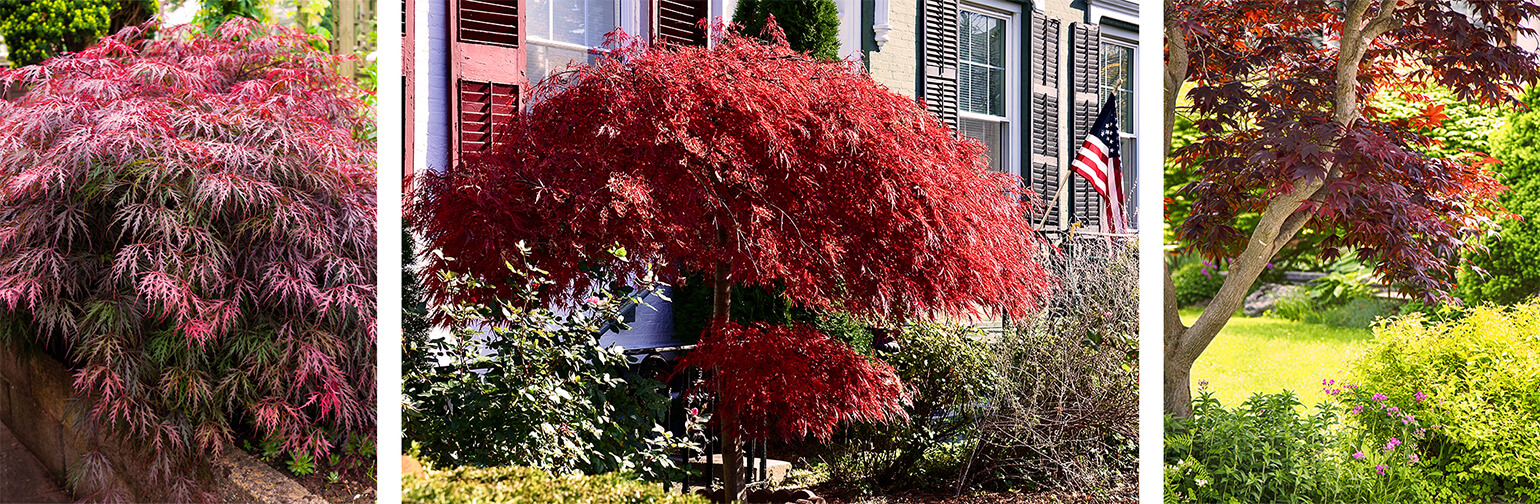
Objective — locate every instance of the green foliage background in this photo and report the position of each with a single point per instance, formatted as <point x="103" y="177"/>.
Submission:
<point x="1508" y="272"/>
<point x="810" y="25"/>
<point x="37" y="30"/>
<point x="523" y="485"/>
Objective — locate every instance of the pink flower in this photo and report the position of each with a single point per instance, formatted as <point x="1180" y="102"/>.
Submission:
<point x="593" y="300"/>
<point x="1392" y="444"/>
<point x="1419" y="396"/>
<point x="1413" y="458"/>
<point x="1408" y="419"/>
<point x="1379" y="397"/>
<point x="1358" y="408"/>
<point x="1380" y="469"/>
<point x="1358" y="455"/>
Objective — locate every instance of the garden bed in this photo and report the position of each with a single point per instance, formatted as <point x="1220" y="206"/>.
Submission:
<point x="1128" y="495"/>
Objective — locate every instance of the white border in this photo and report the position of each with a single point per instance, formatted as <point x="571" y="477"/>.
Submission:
<point x="1149" y="67"/>
<point x="389" y="147"/>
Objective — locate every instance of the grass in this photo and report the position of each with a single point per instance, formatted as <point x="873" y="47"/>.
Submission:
<point x="1265" y="354"/>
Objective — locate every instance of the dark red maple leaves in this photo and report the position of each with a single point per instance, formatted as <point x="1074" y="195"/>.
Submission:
<point x="804" y="176"/>
<point x="794" y="381"/>
<point x="848" y="195"/>
<point x="193" y="218"/>
<point x="1262" y="75"/>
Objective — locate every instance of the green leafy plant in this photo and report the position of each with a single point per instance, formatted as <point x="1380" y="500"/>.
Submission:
<point x="37" y="30"/>
<point x="1196" y="281"/>
<point x="301" y="464"/>
<point x="1474" y="384"/>
<point x="951" y="372"/>
<point x="333" y="477"/>
<point x="520" y="485"/>
<point x="518" y="383"/>
<point x="1506" y="272"/>
<point x="1264" y="450"/>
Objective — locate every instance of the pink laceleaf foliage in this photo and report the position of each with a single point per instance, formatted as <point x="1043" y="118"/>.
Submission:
<point x="192" y="219"/>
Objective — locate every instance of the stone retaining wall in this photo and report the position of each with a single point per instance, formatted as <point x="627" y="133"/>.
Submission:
<point x="36" y="404"/>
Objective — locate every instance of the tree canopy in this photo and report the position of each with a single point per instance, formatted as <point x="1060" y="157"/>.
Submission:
<point x="793" y="172"/>
<point x="1282" y="92"/>
<point x="757" y="166"/>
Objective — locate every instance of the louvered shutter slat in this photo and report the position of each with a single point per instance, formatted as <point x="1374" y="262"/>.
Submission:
<point x="489" y="22"/>
<point x="1044" y="75"/>
<point x="941" y="54"/>
<point x="678" y="21"/>
<point x="484" y="106"/>
<point x="1086" y="67"/>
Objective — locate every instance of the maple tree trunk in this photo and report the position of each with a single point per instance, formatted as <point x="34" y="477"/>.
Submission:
<point x="732" y="447"/>
<point x="1279" y="222"/>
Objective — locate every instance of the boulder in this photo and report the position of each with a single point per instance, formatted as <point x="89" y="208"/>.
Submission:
<point x="1265" y="298"/>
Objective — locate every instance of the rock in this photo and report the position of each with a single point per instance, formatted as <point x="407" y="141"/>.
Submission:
<point x="761" y="495"/>
<point x="803" y="493"/>
<point x="410" y="467"/>
<point x="1266" y="298"/>
<point x="782" y="495"/>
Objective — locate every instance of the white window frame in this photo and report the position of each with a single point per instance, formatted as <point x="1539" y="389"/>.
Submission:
<point x="1128" y="130"/>
<point x="628" y="15"/>
<point x="1011" y="13"/>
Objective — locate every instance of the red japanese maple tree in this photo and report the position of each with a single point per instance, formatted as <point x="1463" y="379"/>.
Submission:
<point x="191" y="220"/>
<point x="1280" y="90"/>
<point x="757" y="166"/>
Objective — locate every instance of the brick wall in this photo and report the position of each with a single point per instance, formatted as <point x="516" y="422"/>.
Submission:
<point x="894" y="65"/>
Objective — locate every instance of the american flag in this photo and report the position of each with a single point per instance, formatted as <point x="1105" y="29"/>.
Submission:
<point x="1099" y="161"/>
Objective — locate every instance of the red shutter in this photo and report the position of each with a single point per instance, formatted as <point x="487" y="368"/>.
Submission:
<point x="482" y="106"/>
<point x="678" y="21"/>
<point x="487" y="65"/>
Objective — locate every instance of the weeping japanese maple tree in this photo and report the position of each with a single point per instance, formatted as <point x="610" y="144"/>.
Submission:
<point x="754" y="165"/>
<point x="190" y="223"/>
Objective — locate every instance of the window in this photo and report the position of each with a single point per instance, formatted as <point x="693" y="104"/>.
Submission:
<point x="986" y="81"/>
<point x="561" y="33"/>
<point x="1118" y="80"/>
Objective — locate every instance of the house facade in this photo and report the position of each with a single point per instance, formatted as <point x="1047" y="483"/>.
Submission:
<point x="1024" y="77"/>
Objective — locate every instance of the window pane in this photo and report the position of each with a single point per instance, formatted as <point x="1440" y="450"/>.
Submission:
<point x="981" y="63"/>
<point x="992" y="134"/>
<point x="1118" y="79"/>
<point x="581" y="22"/>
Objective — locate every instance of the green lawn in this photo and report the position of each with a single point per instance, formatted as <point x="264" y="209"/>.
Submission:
<point x="1266" y="354"/>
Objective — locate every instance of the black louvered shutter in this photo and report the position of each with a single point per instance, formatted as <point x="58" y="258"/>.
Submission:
<point x="1086" y="71"/>
<point x="1044" y="76"/>
<point x="939" y="80"/>
<point x="678" y="21"/>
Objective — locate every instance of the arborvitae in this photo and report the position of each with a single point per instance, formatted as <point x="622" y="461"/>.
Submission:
<point x="811" y="26"/>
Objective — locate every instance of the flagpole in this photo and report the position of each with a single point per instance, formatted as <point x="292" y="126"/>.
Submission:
<point x="1050" y="206"/>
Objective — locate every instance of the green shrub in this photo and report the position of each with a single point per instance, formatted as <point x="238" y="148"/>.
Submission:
<point x="517" y="383"/>
<point x="523" y="485"/>
<point x="1266" y="451"/>
<point x="951" y="371"/>
<point x="1475" y="384"/>
<point x="1195" y="282"/>
<point x="1345" y="297"/>
<point x="810" y="25"/>
<point x="1508" y="272"/>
